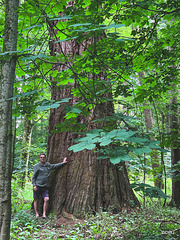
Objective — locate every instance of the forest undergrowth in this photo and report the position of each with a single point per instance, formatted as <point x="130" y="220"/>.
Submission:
<point x="152" y="221"/>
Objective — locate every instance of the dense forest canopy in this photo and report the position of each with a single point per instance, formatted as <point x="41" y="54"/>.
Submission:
<point x="124" y="53"/>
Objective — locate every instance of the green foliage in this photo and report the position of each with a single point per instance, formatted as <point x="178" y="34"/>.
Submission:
<point x="46" y="104"/>
<point x="148" y="190"/>
<point x="122" y="52"/>
<point x="113" y="144"/>
<point x="123" y="38"/>
<point x="21" y="198"/>
<point x="144" y="223"/>
<point x="150" y="222"/>
<point x="38" y="145"/>
<point x="153" y="223"/>
<point x="175" y="172"/>
<point x="24" y="220"/>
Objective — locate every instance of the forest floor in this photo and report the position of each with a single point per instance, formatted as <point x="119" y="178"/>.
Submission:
<point x="155" y="222"/>
<point x="59" y="226"/>
<point x="151" y="221"/>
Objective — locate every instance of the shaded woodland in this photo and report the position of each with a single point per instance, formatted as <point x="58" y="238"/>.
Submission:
<point x="96" y="82"/>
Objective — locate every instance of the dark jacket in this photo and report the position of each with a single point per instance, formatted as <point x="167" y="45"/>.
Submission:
<point x="41" y="173"/>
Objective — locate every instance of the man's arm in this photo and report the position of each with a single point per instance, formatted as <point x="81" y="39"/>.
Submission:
<point x="57" y="165"/>
<point x="65" y="160"/>
<point x="35" y="172"/>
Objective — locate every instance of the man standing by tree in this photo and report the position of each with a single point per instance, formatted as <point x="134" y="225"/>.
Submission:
<point x="40" y="181"/>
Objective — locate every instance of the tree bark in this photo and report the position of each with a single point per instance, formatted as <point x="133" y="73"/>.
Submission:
<point x="85" y="183"/>
<point x="6" y="92"/>
<point x="175" y="148"/>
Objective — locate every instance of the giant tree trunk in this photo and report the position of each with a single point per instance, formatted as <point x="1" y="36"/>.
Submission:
<point x="6" y="92"/>
<point x="85" y="183"/>
<point x="175" y="148"/>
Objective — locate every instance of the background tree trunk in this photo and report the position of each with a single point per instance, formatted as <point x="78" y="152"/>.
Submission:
<point x="6" y="92"/>
<point x="26" y="143"/>
<point x="157" y="168"/>
<point x="175" y="148"/>
<point x="157" y="171"/>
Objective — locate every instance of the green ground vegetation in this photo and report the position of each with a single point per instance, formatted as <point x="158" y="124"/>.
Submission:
<point x="150" y="221"/>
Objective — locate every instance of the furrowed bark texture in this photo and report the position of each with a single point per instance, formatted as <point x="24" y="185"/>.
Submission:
<point x="85" y="183"/>
<point x="175" y="149"/>
<point x="6" y="91"/>
<point x="175" y="140"/>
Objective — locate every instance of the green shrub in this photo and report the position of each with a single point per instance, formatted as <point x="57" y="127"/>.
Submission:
<point x="23" y="224"/>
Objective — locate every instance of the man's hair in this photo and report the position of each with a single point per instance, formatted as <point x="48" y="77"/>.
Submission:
<point x="42" y="154"/>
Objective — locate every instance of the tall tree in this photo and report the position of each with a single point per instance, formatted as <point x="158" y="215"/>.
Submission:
<point x="175" y="148"/>
<point x="119" y="55"/>
<point x="6" y="92"/>
<point x="86" y="183"/>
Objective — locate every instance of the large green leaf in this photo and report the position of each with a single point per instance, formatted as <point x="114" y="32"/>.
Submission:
<point x="80" y="24"/>
<point x="124" y="135"/>
<point x="140" y="151"/>
<point x="118" y="159"/>
<point x="33" y="26"/>
<point x="148" y="190"/>
<point x="112" y="26"/>
<point x="153" y="144"/>
<point x="51" y="104"/>
<point x="104" y="141"/>
<point x="66" y="39"/>
<point x="82" y="146"/>
<point x="58" y="18"/>
<point x="29" y="58"/>
<point x="25" y="94"/>
<point x="76" y="110"/>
